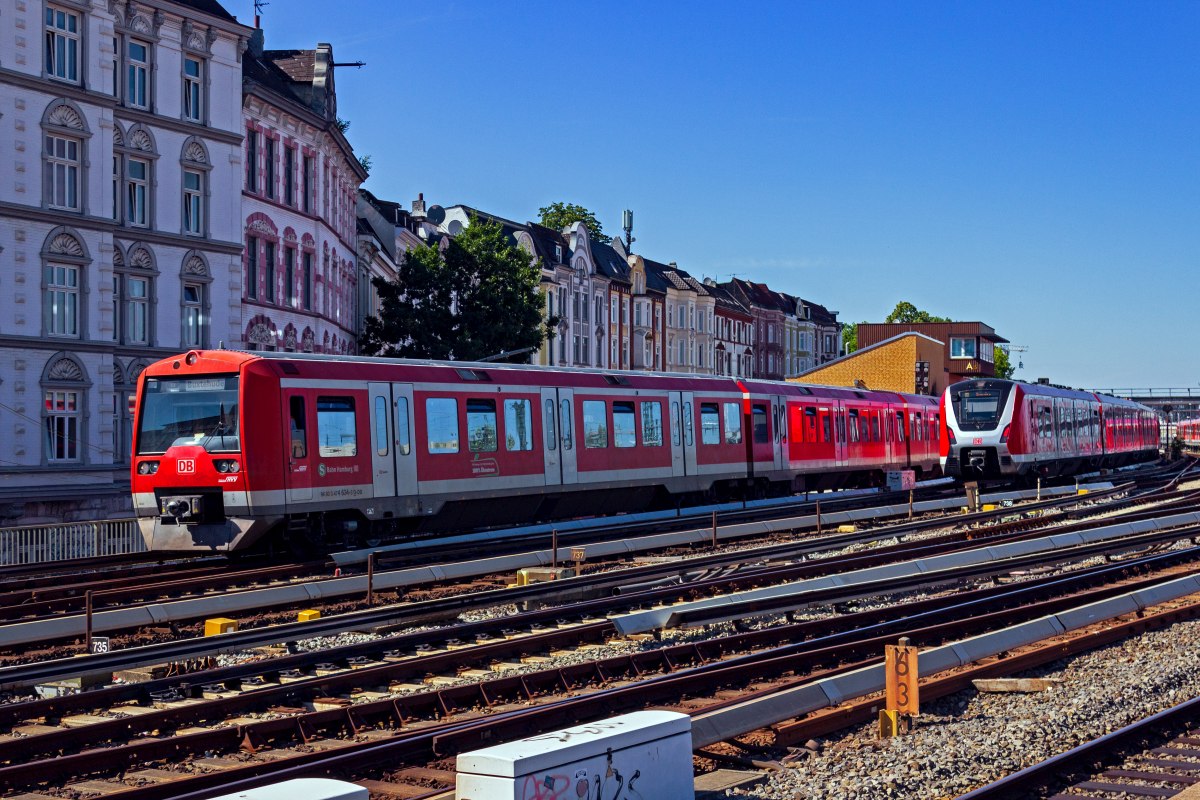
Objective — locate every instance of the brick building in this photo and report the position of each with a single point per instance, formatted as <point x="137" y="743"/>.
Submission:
<point x="969" y="347"/>
<point x="908" y="362"/>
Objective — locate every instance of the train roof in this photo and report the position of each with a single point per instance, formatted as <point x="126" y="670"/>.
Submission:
<point x="478" y="371"/>
<point x="1048" y="390"/>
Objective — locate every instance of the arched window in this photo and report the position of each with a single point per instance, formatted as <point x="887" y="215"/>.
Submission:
<point x="195" y="300"/>
<point x="133" y="296"/>
<point x="64" y="157"/>
<point x="64" y="284"/>
<point x="64" y="419"/>
<point x="133" y="173"/>
<point x="195" y="167"/>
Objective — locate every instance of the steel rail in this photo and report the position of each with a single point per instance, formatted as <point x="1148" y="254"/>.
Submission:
<point x="442" y="740"/>
<point x="576" y="588"/>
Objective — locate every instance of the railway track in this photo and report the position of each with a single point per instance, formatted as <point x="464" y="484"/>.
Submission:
<point x="685" y="671"/>
<point x="497" y="643"/>
<point x="695" y="577"/>
<point x="1156" y="757"/>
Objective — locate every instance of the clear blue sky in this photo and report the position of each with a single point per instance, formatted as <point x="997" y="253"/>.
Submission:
<point x="1033" y="165"/>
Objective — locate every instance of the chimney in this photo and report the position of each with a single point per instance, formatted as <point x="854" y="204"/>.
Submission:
<point x="672" y="265"/>
<point x="418" y="209"/>
<point x="257" y="42"/>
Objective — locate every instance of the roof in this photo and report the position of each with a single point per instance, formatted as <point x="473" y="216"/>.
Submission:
<point x="609" y="262"/>
<point x="820" y="313"/>
<point x="726" y="299"/>
<point x="965" y="328"/>
<point x="544" y="241"/>
<point x="288" y="73"/>
<point x="507" y="226"/>
<point x="211" y="7"/>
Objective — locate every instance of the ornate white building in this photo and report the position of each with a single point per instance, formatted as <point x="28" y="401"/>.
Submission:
<point x="299" y="199"/>
<point x="121" y="135"/>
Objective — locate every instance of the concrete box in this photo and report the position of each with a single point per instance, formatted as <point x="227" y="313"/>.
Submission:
<point x="645" y="754"/>
<point x="302" y="789"/>
<point x="901" y="480"/>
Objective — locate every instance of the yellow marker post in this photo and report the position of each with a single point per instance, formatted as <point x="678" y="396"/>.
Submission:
<point x="901" y="689"/>
<point x="308" y="615"/>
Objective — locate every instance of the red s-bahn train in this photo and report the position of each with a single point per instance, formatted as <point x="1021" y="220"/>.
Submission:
<point x="231" y="447"/>
<point x="998" y="428"/>
<point x="1188" y="432"/>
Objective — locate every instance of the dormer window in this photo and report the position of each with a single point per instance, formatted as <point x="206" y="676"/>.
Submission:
<point x="558" y="253"/>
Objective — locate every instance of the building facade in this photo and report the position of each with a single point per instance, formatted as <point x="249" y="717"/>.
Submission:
<point x="122" y="137"/>
<point x="300" y="286"/>
<point x="908" y="362"/>
<point x="969" y="346"/>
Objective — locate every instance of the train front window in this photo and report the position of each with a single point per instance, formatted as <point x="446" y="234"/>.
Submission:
<point x="978" y="405"/>
<point x="189" y="411"/>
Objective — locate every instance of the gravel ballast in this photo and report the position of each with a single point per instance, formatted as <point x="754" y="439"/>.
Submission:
<point x="969" y="739"/>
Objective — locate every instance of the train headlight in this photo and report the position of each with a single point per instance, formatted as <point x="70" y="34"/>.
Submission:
<point x="950" y="436"/>
<point x="147" y="468"/>
<point x="227" y="465"/>
<point x="1004" y="436"/>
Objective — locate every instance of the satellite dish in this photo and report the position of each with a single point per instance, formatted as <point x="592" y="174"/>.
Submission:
<point x="436" y="215"/>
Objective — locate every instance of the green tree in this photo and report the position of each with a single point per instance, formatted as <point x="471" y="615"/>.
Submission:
<point x="850" y="337"/>
<point x="907" y="312"/>
<point x="1002" y="364"/>
<point x="476" y="298"/>
<point x="559" y="215"/>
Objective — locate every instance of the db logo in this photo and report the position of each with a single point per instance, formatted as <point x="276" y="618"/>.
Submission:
<point x="186" y="466"/>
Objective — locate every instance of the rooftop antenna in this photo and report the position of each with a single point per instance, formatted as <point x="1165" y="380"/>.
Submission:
<point x="627" y="224"/>
<point x="258" y="7"/>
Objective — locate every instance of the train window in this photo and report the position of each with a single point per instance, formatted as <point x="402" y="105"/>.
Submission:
<point x="733" y="423"/>
<point x="441" y="422"/>
<point x="875" y="428"/>
<point x="840" y="428"/>
<point x="564" y="422"/>
<point x="675" y="424"/>
<point x="381" y="422"/>
<point x="864" y="427"/>
<point x="899" y="426"/>
<point x="652" y="424"/>
<point x="551" y="434"/>
<point x="689" y="437"/>
<point x="624" y="424"/>
<point x="758" y="418"/>
<point x="298" y="424"/>
<point x="710" y="424"/>
<point x="518" y="424"/>
<point x="810" y="426"/>
<point x="918" y="432"/>
<point x="336" y="435"/>
<point x="481" y="425"/>
<point x="403" y="432"/>
<point x="595" y="424"/>
<point x="854" y="431"/>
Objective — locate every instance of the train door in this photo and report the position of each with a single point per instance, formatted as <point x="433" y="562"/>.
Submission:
<point x="841" y="450"/>
<point x="300" y="442"/>
<point x="903" y="445"/>
<point x="550" y="444"/>
<point x="404" y="447"/>
<point x="780" y="434"/>
<point x="567" y="438"/>
<point x="689" y="433"/>
<point x="383" y="468"/>
<point x="675" y="423"/>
